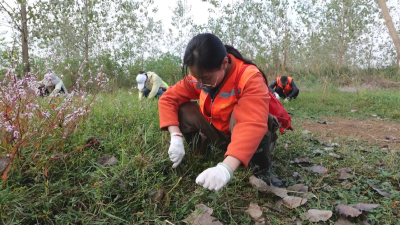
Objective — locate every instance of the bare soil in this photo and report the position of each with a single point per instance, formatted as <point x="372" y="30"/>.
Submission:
<point x="374" y="131"/>
<point x="371" y="86"/>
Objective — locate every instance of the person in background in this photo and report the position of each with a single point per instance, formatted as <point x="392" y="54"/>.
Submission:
<point x="284" y="87"/>
<point x="51" y="85"/>
<point x="150" y="85"/>
<point x="233" y="112"/>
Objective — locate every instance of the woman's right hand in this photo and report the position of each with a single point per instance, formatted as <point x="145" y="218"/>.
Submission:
<point x="176" y="150"/>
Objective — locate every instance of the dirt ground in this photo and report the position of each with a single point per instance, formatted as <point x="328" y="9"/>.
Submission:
<point x="377" y="132"/>
<point x="372" y="85"/>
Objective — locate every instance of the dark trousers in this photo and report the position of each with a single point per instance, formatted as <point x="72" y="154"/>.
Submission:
<point x="147" y="91"/>
<point x="279" y="90"/>
<point x="44" y="92"/>
<point x="199" y="133"/>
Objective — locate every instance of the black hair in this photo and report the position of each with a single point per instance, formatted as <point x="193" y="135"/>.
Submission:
<point x="206" y="52"/>
<point x="143" y="72"/>
<point x="284" y="78"/>
<point x="233" y="51"/>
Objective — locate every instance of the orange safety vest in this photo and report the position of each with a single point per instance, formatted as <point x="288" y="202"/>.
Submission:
<point x="225" y="100"/>
<point x="288" y="87"/>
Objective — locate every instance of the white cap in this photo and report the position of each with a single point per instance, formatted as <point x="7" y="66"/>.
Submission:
<point x="141" y="79"/>
<point x="51" y="79"/>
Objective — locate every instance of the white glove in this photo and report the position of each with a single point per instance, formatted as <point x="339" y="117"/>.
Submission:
<point x="276" y="95"/>
<point x="286" y="100"/>
<point x="176" y="150"/>
<point x="215" y="178"/>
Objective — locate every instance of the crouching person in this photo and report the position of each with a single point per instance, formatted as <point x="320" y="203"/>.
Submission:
<point x="51" y="85"/>
<point x="150" y="85"/>
<point x="233" y="112"/>
<point x="284" y="87"/>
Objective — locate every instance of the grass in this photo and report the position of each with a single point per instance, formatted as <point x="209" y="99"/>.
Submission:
<point x="80" y="191"/>
<point x="384" y="104"/>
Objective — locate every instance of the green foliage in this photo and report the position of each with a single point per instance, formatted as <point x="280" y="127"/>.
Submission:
<point x="183" y="28"/>
<point x="80" y="191"/>
<point x="338" y="39"/>
<point x="124" y="37"/>
<point x="167" y="66"/>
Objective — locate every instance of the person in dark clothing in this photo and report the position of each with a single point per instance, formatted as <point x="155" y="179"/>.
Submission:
<point x="284" y="87"/>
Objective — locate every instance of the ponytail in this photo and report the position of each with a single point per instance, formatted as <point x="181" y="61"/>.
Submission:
<point x="233" y="51"/>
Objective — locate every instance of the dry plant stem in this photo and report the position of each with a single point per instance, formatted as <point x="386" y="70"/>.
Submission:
<point x="229" y="212"/>
<point x="180" y="178"/>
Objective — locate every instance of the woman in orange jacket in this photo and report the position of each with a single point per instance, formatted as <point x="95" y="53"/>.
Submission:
<point x="233" y="111"/>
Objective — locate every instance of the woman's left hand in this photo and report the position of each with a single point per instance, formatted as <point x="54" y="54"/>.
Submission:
<point x="215" y="178"/>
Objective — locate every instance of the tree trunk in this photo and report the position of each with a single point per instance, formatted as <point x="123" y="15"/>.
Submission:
<point x="231" y="27"/>
<point x="142" y="53"/>
<point x="341" y="49"/>
<point x="24" y="37"/>
<point x="392" y="29"/>
<point x="68" y="52"/>
<point x="285" y="45"/>
<point x="87" y="31"/>
<point x="370" y="54"/>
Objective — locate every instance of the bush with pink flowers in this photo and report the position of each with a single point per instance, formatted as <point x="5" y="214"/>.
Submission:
<point x="29" y="121"/>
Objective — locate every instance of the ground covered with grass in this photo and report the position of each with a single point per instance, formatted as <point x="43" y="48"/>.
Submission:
<point x="141" y="187"/>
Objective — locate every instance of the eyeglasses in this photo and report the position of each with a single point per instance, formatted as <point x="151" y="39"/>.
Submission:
<point x="203" y="84"/>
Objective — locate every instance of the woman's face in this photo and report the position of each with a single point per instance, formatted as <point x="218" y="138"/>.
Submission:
<point x="210" y="79"/>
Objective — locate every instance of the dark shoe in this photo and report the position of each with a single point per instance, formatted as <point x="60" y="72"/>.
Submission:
<point x="271" y="179"/>
<point x="261" y="162"/>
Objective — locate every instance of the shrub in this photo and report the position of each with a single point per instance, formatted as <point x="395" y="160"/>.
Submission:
<point x="33" y="128"/>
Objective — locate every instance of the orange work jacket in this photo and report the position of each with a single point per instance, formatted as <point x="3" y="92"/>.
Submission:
<point x="288" y="87"/>
<point x="250" y="109"/>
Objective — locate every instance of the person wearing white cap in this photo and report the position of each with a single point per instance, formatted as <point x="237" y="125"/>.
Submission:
<point x="150" y="85"/>
<point x="51" y="84"/>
